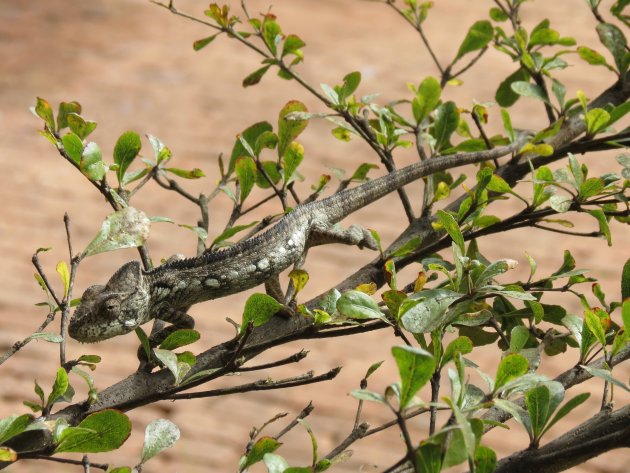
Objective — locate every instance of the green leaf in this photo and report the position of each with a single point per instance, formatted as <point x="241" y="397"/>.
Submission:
<point x="409" y="247"/>
<point x="350" y="83"/>
<point x="516" y="411"/>
<point x="498" y="15"/>
<point x="596" y="120"/>
<point x="373" y="367"/>
<point x="504" y="95"/>
<point x="604" y="228"/>
<point x="79" y="126"/>
<point x="446" y="121"/>
<point x="292" y="45"/>
<point x="90" y="358"/>
<point x="261" y="447"/>
<point x="44" y="111"/>
<point x="203" y="42"/>
<point x="7" y="454"/>
<point x="358" y="305"/>
<point x="365" y="395"/>
<point x="73" y="146"/>
<point x="64" y="109"/>
<point x="594" y="324"/>
<point x="591" y="187"/>
<point x="559" y="90"/>
<point x="230" y="232"/>
<point x="428" y="314"/>
<point x="465" y="427"/>
<point x="64" y="275"/>
<point x="560" y="203"/>
<point x="47" y="336"/>
<point x="92" y="164"/>
<point x="429" y="458"/>
<point x="485" y="459"/>
<point x="606" y="375"/>
<point x="493" y="270"/>
<point x="179" y="339"/>
<point x="125" y="228"/>
<point x="245" y="168"/>
<point x="293" y="156"/>
<point x="542" y="149"/>
<point x="566" y="408"/>
<point x="270" y="31"/>
<point x="126" y="149"/>
<point x="593" y="57"/>
<point x="461" y="345"/>
<point x="478" y="37"/>
<point x="537" y="403"/>
<point x="161" y="152"/>
<point x="416" y="367"/>
<point x="426" y="99"/>
<point x="519" y="336"/>
<point x="341" y="133"/>
<point x="159" y="435"/>
<point x="625" y="284"/>
<point x="178" y="368"/>
<point x="271" y="173"/>
<point x="103" y="431"/>
<point x="13" y="425"/>
<point x="39" y="391"/>
<point x="511" y="367"/>
<point x="360" y="174"/>
<point x="615" y="41"/>
<point x="455" y="449"/>
<point x="498" y="184"/>
<point x="275" y="463"/>
<point x="249" y="135"/>
<point x="299" y="278"/>
<point x="619" y="112"/>
<point x="194" y="173"/>
<point x="452" y="228"/>
<point x="59" y="388"/>
<point x="259" y="308"/>
<point x="267" y="139"/>
<point x="289" y="130"/>
<point x="255" y="77"/>
<point x="527" y="89"/>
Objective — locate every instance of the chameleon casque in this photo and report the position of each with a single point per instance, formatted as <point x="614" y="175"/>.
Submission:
<point x="133" y="296"/>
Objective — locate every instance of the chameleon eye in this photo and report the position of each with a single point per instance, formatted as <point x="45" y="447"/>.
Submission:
<point x="111" y="305"/>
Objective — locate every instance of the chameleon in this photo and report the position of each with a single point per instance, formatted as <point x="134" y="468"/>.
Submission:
<point x="134" y="296"/>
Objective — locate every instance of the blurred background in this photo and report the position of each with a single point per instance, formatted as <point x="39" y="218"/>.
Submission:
<point x="132" y="66"/>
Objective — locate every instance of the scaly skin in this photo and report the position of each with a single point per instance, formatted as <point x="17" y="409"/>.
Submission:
<point x="133" y="296"/>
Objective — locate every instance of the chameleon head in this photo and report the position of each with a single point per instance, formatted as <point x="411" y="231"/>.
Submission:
<point x="114" y="309"/>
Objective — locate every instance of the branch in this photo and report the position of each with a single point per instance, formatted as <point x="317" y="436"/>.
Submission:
<point x="601" y="433"/>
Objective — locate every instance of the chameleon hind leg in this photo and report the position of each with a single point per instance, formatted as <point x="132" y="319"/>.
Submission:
<point x="355" y="235"/>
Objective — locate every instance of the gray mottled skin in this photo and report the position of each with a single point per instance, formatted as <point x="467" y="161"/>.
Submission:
<point x="133" y="296"/>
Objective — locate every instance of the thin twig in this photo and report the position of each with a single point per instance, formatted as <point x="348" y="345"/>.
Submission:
<point x="302" y="415"/>
<point x="295" y="358"/>
<point x="67" y="461"/>
<point x="261" y="385"/>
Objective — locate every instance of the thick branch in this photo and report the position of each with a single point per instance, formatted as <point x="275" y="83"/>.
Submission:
<point x="601" y="433"/>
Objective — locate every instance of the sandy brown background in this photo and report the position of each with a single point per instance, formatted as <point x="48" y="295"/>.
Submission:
<point x="132" y="66"/>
